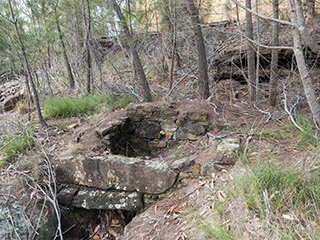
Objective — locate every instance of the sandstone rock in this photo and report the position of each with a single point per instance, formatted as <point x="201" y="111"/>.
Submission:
<point x="149" y="130"/>
<point x="18" y="227"/>
<point x="90" y="198"/>
<point x="198" y="116"/>
<point x="116" y="172"/>
<point x="183" y="163"/>
<point x="225" y="156"/>
<point x="156" y="144"/>
<point x="191" y="130"/>
<point x="110" y="126"/>
<point x="226" y="151"/>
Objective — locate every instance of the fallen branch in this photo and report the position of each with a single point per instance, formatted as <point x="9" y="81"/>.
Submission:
<point x="264" y="112"/>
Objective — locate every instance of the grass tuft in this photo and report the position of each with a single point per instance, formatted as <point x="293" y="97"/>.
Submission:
<point x="288" y="189"/>
<point x="19" y="141"/>
<point x="307" y="137"/>
<point x="217" y="230"/>
<point x="56" y="107"/>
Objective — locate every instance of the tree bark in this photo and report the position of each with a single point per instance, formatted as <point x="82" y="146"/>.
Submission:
<point x="64" y="50"/>
<point x="310" y="8"/>
<point x="203" y="81"/>
<point x="27" y="67"/>
<point x="143" y="84"/>
<point x="275" y="55"/>
<point x="168" y="36"/>
<point x="250" y="54"/>
<point x="87" y="20"/>
<point x="294" y="6"/>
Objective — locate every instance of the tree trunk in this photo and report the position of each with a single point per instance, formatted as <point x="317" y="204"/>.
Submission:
<point x="168" y="39"/>
<point x="143" y="85"/>
<point x="250" y="54"/>
<point x="64" y="50"/>
<point x="27" y="67"/>
<point x="203" y="81"/>
<point x="294" y="5"/>
<point x="310" y="8"/>
<point x="275" y="55"/>
<point x="87" y="20"/>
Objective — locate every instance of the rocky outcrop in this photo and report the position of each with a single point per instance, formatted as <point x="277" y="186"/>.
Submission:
<point x="11" y="90"/>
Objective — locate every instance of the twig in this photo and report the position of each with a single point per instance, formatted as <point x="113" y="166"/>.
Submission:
<point x="216" y="137"/>
<point x="289" y="112"/>
<point x="179" y="81"/>
<point x="264" y="112"/>
<point x="265" y="17"/>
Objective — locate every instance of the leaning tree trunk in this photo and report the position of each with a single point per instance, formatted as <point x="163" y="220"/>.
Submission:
<point x="275" y="55"/>
<point x="27" y="67"/>
<point x="203" y="81"/>
<point x="144" y="86"/>
<point x="250" y="54"/>
<point x="294" y="6"/>
<point x="64" y="50"/>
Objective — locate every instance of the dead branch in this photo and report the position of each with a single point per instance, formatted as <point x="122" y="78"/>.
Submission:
<point x="289" y="112"/>
<point x="264" y="112"/>
<point x="265" y="17"/>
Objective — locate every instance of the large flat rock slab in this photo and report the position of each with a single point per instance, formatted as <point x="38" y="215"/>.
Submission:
<point x="90" y="198"/>
<point x="116" y="172"/>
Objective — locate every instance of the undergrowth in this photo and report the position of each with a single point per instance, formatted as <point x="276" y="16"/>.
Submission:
<point x="56" y="107"/>
<point x="18" y="141"/>
<point x="273" y="191"/>
<point x="307" y="137"/>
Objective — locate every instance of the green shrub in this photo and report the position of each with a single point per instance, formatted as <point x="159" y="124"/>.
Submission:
<point x="56" y="107"/>
<point x="19" y="141"/>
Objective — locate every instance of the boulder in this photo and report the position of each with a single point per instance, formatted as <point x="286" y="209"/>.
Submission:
<point x="226" y="150"/>
<point x="116" y="172"/>
<point x="14" y="222"/>
<point x="90" y="198"/>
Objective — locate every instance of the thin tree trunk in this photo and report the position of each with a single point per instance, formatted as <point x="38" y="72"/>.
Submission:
<point x="294" y="6"/>
<point x="27" y="67"/>
<point x="87" y="20"/>
<point x="275" y="55"/>
<point x="168" y="36"/>
<point x="144" y="87"/>
<point x="203" y="81"/>
<point x="64" y="50"/>
<point x="250" y="53"/>
<point x="257" y="54"/>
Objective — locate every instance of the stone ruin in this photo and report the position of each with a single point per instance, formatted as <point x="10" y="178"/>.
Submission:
<point x="129" y="172"/>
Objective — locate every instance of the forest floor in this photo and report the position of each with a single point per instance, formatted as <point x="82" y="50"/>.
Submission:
<point x="245" y="201"/>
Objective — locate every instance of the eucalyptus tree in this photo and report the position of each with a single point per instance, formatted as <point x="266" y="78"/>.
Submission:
<point x="203" y="81"/>
<point x="15" y="21"/>
<point x="63" y="46"/>
<point x="275" y="54"/>
<point x="298" y="19"/>
<point x="144" y="89"/>
<point x="250" y="53"/>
